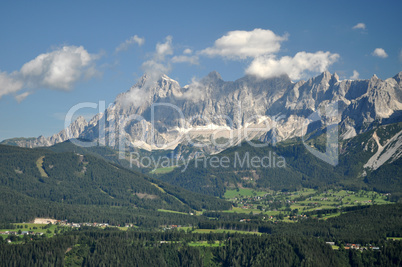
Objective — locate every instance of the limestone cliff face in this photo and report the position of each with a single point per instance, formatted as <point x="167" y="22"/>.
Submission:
<point x="160" y="114"/>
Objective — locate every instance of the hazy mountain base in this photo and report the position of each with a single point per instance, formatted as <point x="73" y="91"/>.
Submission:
<point x="302" y="169"/>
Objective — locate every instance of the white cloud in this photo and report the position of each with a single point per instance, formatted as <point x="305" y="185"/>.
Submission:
<point x="59" y="69"/>
<point x="262" y="45"/>
<point x="158" y="65"/>
<point x="22" y="96"/>
<point x="186" y="57"/>
<point x="164" y="49"/>
<point x="183" y="58"/>
<point x="360" y="25"/>
<point x="132" y="40"/>
<point x="269" y="66"/>
<point x="244" y="44"/>
<point x="355" y="75"/>
<point x="154" y="69"/>
<point x="9" y="85"/>
<point x="379" y="52"/>
<point x="195" y="91"/>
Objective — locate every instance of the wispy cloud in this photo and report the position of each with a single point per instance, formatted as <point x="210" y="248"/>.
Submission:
<point x="56" y="70"/>
<point x="154" y="68"/>
<point x="22" y="96"/>
<point x="379" y="52"/>
<point x="132" y="40"/>
<point x="355" y="75"/>
<point x="187" y="57"/>
<point x="359" y="26"/>
<point x="9" y="84"/>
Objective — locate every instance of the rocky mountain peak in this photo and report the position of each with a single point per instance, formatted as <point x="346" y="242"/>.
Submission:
<point x="326" y="77"/>
<point x="335" y="77"/>
<point x="80" y="120"/>
<point x="214" y="76"/>
<point x="398" y="78"/>
<point x="364" y="103"/>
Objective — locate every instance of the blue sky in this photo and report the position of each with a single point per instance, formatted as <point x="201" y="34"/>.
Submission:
<point x="56" y="54"/>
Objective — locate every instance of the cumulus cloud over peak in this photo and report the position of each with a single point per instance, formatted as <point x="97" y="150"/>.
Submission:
<point x="360" y="26"/>
<point x="296" y="67"/>
<point x="262" y="46"/>
<point x="379" y="52"/>
<point x="132" y="40"/>
<point x="59" y="70"/>
<point x="244" y="44"/>
<point x="154" y="68"/>
<point x="355" y="75"/>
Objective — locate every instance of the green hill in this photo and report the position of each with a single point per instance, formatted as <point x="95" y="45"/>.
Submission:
<point x="39" y="181"/>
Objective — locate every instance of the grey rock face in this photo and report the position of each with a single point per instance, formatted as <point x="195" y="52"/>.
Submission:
<point x="160" y="114"/>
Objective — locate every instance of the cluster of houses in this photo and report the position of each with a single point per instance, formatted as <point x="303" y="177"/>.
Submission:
<point x="348" y="246"/>
<point x="30" y="233"/>
<point x="172" y="226"/>
<point x="77" y="225"/>
<point x="359" y="247"/>
<point x="66" y="223"/>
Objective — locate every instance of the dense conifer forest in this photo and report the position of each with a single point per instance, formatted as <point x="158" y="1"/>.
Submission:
<point x="85" y="188"/>
<point x="281" y="244"/>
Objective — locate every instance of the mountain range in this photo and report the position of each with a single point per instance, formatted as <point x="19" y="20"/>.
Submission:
<point x="212" y="115"/>
<point x="272" y="119"/>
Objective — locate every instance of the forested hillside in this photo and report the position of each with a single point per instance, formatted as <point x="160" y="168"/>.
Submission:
<point x="290" y="166"/>
<point x="288" y="244"/>
<point x="41" y="182"/>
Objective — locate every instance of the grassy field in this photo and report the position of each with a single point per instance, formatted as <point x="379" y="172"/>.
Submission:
<point x="394" y="238"/>
<point x="163" y="170"/>
<point x="240" y="210"/>
<point x="184" y="228"/>
<point x="305" y="200"/>
<point x="334" y="199"/>
<point x="39" y="165"/>
<point x="172" y="211"/>
<point x="243" y="192"/>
